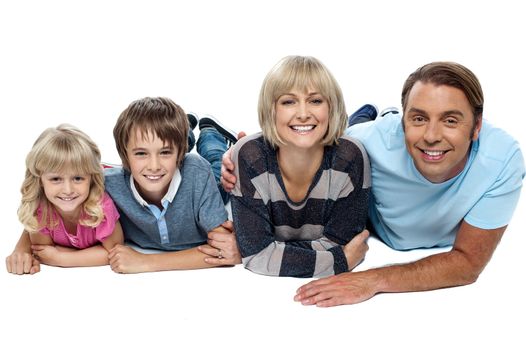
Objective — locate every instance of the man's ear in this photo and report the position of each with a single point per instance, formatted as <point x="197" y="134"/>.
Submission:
<point x="476" y="128"/>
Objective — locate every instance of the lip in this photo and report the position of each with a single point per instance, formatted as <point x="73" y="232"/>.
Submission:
<point x="302" y="129"/>
<point x="67" y="199"/>
<point x="433" y="155"/>
<point x="153" y="178"/>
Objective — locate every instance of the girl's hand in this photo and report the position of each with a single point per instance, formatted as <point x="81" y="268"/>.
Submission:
<point x="47" y="254"/>
<point x="20" y="263"/>
<point x="124" y="259"/>
<point x="355" y="250"/>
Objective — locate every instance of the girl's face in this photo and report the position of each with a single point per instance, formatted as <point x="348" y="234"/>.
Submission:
<point x="302" y="118"/>
<point x="67" y="191"/>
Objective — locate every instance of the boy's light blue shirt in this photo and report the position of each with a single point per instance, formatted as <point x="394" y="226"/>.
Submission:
<point x="408" y="211"/>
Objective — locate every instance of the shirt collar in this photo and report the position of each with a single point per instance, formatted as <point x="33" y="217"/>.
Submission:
<point x="170" y="194"/>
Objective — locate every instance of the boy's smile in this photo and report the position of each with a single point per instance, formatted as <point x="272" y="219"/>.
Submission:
<point x="152" y="164"/>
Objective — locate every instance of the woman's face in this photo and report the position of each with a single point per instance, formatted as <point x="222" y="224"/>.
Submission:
<point x="302" y="118"/>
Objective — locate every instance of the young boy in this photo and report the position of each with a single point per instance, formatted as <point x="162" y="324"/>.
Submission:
<point x="168" y="199"/>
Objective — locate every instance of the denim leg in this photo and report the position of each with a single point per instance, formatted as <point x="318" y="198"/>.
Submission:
<point x="211" y="145"/>
<point x="366" y="113"/>
<point x="191" y="140"/>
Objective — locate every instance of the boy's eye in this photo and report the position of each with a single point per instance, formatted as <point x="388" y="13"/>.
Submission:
<point x="167" y="152"/>
<point x="139" y="154"/>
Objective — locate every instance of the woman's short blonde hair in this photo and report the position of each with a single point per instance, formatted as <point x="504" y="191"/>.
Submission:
<point x="301" y="73"/>
<point x="64" y="148"/>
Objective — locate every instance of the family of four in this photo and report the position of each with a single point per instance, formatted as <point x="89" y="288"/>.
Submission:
<point x="305" y="193"/>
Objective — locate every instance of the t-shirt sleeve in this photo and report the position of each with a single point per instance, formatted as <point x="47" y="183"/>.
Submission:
<point x="212" y="211"/>
<point x="495" y="208"/>
<point x="111" y="215"/>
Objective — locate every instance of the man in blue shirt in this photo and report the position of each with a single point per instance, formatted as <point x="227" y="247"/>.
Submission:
<point x="440" y="176"/>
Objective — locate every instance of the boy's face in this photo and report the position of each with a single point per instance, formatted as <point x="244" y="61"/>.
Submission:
<point x="152" y="164"/>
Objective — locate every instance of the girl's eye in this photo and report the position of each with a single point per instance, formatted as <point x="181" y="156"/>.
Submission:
<point x="78" y="178"/>
<point x="287" y="102"/>
<point x="55" y="179"/>
<point x="317" y="101"/>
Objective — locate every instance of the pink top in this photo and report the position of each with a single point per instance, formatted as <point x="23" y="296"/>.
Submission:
<point x="86" y="236"/>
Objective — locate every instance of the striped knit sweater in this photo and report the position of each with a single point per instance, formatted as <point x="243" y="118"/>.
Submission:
<point x="279" y="237"/>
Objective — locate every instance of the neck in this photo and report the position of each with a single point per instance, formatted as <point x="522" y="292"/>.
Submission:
<point x="298" y="168"/>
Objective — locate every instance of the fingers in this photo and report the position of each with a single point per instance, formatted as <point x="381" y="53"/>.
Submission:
<point x="35" y="267"/>
<point x="208" y="250"/>
<point x="241" y="134"/>
<point x="20" y="264"/>
<point x="229" y="225"/>
<point x="228" y="180"/>
<point x="221" y="262"/>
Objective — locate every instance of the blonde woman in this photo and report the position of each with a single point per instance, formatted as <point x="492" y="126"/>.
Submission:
<point x="303" y="188"/>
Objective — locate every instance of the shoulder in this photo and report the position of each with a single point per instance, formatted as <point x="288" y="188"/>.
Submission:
<point x="251" y="148"/>
<point x="496" y="143"/>
<point x="114" y="174"/>
<point x="348" y="152"/>
<point x="193" y="163"/>
<point x="107" y="202"/>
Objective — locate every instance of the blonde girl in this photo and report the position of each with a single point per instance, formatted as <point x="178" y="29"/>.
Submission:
<point x="71" y="221"/>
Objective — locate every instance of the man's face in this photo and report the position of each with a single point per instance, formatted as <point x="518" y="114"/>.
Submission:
<point x="438" y="123"/>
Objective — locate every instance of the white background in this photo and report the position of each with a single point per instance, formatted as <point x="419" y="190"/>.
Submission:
<point x="84" y="62"/>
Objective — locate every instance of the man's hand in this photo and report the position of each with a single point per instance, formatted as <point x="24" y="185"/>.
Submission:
<point x="345" y="288"/>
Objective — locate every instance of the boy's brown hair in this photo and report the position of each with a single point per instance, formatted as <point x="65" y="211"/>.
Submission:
<point x="159" y="116"/>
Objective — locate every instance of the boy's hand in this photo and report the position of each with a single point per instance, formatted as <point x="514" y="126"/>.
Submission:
<point x="20" y="263"/>
<point x="124" y="259"/>
<point x="222" y="246"/>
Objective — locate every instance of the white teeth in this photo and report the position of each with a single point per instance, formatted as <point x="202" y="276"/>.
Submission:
<point x="151" y="177"/>
<point x="434" y="153"/>
<point x="302" y="128"/>
<point x="67" y="199"/>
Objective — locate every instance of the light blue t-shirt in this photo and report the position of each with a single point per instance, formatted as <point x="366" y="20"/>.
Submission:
<point x="408" y="211"/>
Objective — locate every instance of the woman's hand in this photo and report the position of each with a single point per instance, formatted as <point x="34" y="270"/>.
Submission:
<point x="356" y="249"/>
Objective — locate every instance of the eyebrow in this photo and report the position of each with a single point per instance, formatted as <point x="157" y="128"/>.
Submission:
<point x="445" y="113"/>
<point x="292" y="94"/>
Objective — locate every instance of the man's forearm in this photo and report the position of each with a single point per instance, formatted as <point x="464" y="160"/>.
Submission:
<point x="442" y="270"/>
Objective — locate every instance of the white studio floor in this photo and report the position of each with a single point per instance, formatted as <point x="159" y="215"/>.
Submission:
<point x="84" y="63"/>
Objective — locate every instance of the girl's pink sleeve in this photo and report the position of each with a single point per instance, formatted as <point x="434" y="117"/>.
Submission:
<point x="111" y="215"/>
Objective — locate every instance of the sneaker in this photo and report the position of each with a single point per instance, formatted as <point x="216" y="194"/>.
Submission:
<point x="387" y="110"/>
<point x="193" y="119"/>
<point x="208" y="121"/>
<point x="365" y="113"/>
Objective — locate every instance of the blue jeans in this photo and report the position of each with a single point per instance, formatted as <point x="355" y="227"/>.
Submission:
<point x="211" y="145"/>
<point x="366" y="113"/>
